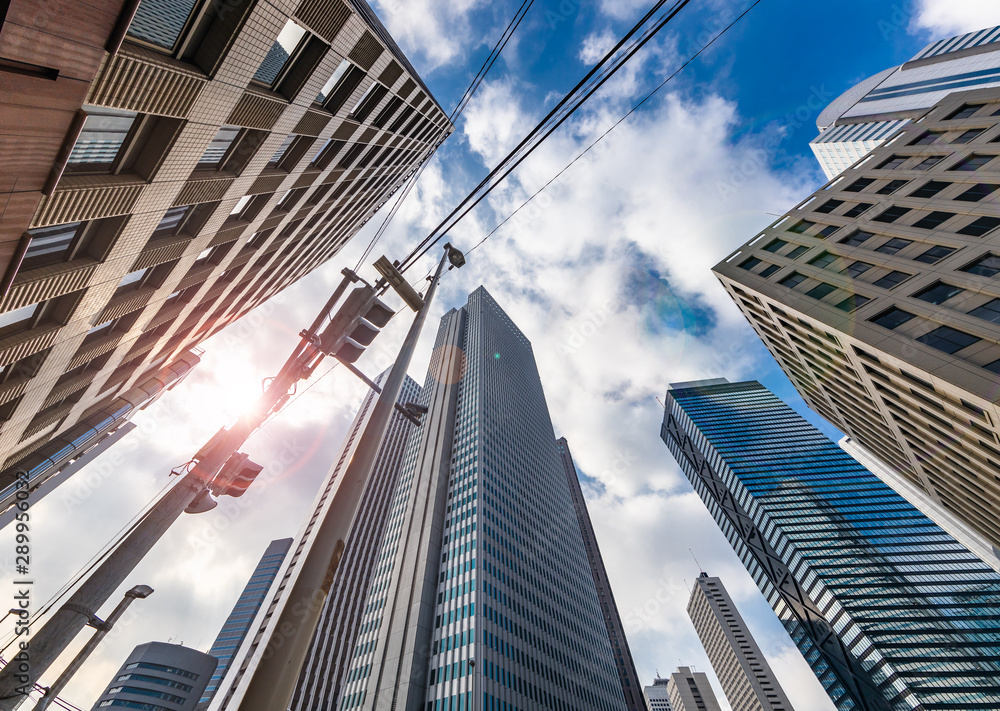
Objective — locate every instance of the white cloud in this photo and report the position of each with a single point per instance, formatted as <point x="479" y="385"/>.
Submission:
<point x="944" y="18"/>
<point x="596" y="45"/>
<point x="433" y="30"/>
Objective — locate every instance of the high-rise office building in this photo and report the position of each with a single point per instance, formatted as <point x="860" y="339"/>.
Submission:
<point x="483" y="599"/>
<point x="871" y="112"/>
<point x="889" y="610"/>
<point x="878" y="297"/>
<point x="657" y="695"/>
<point x="746" y="677"/>
<point x="333" y="641"/>
<point x="159" y="676"/>
<point x="166" y="172"/>
<point x="631" y="688"/>
<point x="691" y="691"/>
<point x="240" y="620"/>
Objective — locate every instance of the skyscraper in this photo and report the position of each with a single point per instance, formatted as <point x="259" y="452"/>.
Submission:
<point x="333" y="641"/>
<point x="225" y="150"/>
<point x="691" y="691"/>
<point x="746" y="677"/>
<point x="657" y="695"/>
<point x="878" y="297"/>
<point x="240" y="620"/>
<point x="889" y="610"/>
<point x="483" y="599"/>
<point x="159" y="676"/>
<point x="629" y="680"/>
<point x="870" y="113"/>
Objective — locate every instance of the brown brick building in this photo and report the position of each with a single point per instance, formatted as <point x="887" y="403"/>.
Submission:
<point x="879" y="297"/>
<point x="167" y="166"/>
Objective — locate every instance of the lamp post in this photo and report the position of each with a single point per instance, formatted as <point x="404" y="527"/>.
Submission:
<point x="103" y="627"/>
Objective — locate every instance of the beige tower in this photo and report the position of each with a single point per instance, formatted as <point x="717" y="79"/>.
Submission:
<point x="879" y="295"/>
<point x="746" y="677"/>
<point x="691" y="691"/>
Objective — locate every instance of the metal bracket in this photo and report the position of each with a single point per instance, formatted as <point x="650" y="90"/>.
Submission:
<point x="92" y="619"/>
<point x="407" y="412"/>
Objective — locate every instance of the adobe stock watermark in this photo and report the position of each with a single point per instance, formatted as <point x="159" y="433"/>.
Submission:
<point x="642" y="615"/>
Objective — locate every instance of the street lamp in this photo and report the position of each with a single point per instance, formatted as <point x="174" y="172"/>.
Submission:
<point x="103" y="627"/>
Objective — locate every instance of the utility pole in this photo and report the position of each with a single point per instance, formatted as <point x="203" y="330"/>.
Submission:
<point x="218" y="467"/>
<point x="271" y="684"/>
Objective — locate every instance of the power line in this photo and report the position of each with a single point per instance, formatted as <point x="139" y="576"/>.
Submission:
<point x="615" y="125"/>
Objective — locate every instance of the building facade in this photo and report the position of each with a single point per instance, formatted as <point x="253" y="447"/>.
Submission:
<point x="871" y="112"/>
<point x="159" y="677"/>
<point x="879" y="298"/>
<point x="746" y="677"/>
<point x="657" y="696"/>
<point x="631" y="689"/>
<point x="240" y="620"/>
<point x="691" y="691"/>
<point x="484" y="598"/>
<point x="333" y="641"/>
<point x="890" y="611"/>
<point x="174" y="169"/>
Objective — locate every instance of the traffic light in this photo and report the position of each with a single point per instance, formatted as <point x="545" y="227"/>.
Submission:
<point x="236" y="476"/>
<point x="355" y="325"/>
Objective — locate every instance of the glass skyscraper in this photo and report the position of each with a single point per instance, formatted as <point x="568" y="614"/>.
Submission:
<point x="483" y="597"/>
<point x="891" y="612"/>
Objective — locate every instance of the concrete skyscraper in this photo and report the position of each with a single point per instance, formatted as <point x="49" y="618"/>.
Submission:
<point x="159" y="677"/>
<point x="168" y="166"/>
<point x="483" y="599"/>
<point x="631" y="688"/>
<point x="333" y="641"/>
<point x="746" y="677"/>
<point x="878" y="296"/>
<point x="691" y="691"/>
<point x="870" y="113"/>
<point x="241" y="619"/>
<point x="657" y="695"/>
<point x="889" y="610"/>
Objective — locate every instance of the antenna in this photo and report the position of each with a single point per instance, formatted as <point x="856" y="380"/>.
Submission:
<point x="696" y="560"/>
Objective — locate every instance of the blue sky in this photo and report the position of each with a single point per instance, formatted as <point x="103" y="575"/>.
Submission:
<point x="607" y="273"/>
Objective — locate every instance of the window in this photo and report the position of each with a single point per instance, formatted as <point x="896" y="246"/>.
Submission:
<point x="160" y="22"/>
<point x="50" y="245"/>
<point x="104" y="132"/>
<point x="211" y="159"/>
<point x="240" y="205"/>
<point x="750" y="263"/>
<point x="892" y="279"/>
<point x="948" y="339"/>
<point x="972" y="163"/>
<point x="856" y="238"/>
<point x="969" y="136"/>
<point x="792" y="280"/>
<point x="892" y="214"/>
<point x="933" y="220"/>
<point x="892" y="163"/>
<point x="852" y="302"/>
<point x="988" y="265"/>
<point x="938" y="293"/>
<point x="993" y="367"/>
<point x="829" y="206"/>
<point x="934" y="254"/>
<point x="827" y="231"/>
<point x="369" y="100"/>
<point x="927" y="138"/>
<point x="824" y="260"/>
<point x="977" y="192"/>
<point x="18" y="319"/>
<point x="338" y="73"/>
<point x="990" y="311"/>
<point x="821" y="290"/>
<point x="801" y="226"/>
<point x="964" y="112"/>
<point x="282" y="150"/>
<point x="171" y="222"/>
<point x="928" y="163"/>
<point x="980" y="226"/>
<point x="894" y="245"/>
<point x="858" y="185"/>
<point x="284" y="47"/>
<point x="857" y="209"/>
<point x="797" y="252"/>
<point x="891" y="187"/>
<point x="929" y="189"/>
<point x="768" y="270"/>
<point x="891" y="319"/>
<point x="131" y="281"/>
<point x="775" y="245"/>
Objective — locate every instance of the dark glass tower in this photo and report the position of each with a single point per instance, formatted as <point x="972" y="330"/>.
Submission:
<point x="890" y="611"/>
